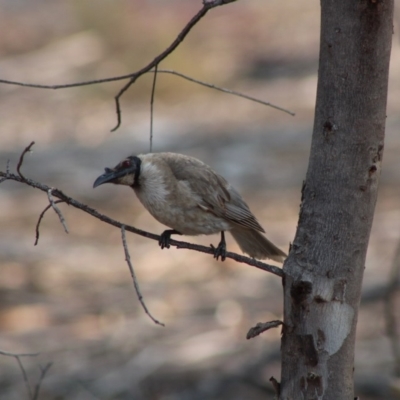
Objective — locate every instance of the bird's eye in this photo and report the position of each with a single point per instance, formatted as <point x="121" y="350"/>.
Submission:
<point x="126" y="164"/>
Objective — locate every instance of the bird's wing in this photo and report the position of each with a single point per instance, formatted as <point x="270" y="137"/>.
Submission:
<point x="238" y="211"/>
<point x="216" y="195"/>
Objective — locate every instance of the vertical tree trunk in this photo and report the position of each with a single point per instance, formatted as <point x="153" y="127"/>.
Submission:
<point x="325" y="266"/>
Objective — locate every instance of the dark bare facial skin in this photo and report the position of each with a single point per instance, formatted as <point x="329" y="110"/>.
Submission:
<point x="124" y="173"/>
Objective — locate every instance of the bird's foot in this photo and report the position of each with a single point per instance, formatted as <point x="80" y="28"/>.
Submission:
<point x="220" y="251"/>
<point x="166" y="237"/>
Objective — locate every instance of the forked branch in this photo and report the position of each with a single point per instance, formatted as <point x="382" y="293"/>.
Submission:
<point x="178" y="244"/>
<point x="152" y="67"/>
<point x="35" y="394"/>
<point x="74" y="203"/>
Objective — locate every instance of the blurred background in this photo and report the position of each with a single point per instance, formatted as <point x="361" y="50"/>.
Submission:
<point x="71" y="298"/>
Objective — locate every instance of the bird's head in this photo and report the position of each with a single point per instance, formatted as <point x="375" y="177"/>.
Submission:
<point x="124" y="173"/>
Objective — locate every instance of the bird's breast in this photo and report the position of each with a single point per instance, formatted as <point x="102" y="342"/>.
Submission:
<point x="179" y="209"/>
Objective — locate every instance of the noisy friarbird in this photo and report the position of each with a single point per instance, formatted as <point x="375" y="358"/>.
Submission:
<point x="186" y="195"/>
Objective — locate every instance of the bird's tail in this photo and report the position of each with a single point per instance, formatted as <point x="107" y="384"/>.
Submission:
<point x="256" y="245"/>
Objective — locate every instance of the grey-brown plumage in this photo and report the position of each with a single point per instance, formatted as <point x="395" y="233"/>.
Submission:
<point x="186" y="195"/>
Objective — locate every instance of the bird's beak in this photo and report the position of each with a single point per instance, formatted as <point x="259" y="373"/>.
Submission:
<point x="107" y="177"/>
<point x="111" y="175"/>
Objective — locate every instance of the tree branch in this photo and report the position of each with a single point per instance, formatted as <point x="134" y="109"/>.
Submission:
<point x="207" y="5"/>
<point x="135" y="281"/>
<point x="41" y="217"/>
<point x="41" y="378"/>
<point x="262" y="327"/>
<point x="178" y="244"/>
<point x="21" y="159"/>
<point x="21" y="367"/>
<point x="9" y="354"/>
<point x="163" y="71"/>
<point x="224" y="90"/>
<point x="56" y="209"/>
<point x="7" y="171"/>
<point x="153" y="89"/>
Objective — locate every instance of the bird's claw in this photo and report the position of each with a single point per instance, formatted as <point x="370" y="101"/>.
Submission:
<point x="164" y="240"/>
<point x="219" y="251"/>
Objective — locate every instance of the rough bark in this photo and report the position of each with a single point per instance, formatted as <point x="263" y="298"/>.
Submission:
<point x="325" y="266"/>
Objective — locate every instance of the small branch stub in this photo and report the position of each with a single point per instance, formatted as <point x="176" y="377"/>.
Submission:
<point x="262" y="327"/>
<point x="276" y="385"/>
<point x="21" y="160"/>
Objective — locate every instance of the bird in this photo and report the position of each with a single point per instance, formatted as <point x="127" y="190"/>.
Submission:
<point x="189" y="197"/>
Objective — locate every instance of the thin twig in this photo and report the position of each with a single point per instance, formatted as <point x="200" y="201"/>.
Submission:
<point x="7" y="171"/>
<point x="133" y="275"/>
<point x="57" y="210"/>
<point x="21" y="159"/>
<point x="25" y="377"/>
<point x="180" y="245"/>
<point x="262" y="327"/>
<point x="9" y="354"/>
<point x="21" y="367"/>
<point x="41" y="217"/>
<point x="224" y="90"/>
<point x="207" y="5"/>
<point x="153" y="89"/>
<point x="35" y="394"/>
<point x="390" y="310"/>
<point x="181" y="36"/>
<point x="163" y="71"/>
<point x="41" y="378"/>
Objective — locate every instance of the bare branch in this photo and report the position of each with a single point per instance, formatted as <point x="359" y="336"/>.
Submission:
<point x="262" y="327"/>
<point x="57" y="210"/>
<point x="133" y="275"/>
<point x="163" y="71"/>
<point x="41" y="378"/>
<point x="21" y="159"/>
<point x="224" y="90"/>
<point x="66" y="85"/>
<point x="25" y="376"/>
<point x="7" y="171"/>
<point x="35" y="394"/>
<point x="207" y="5"/>
<point x="21" y="367"/>
<point x="41" y="217"/>
<point x="153" y="89"/>
<point x="180" y="245"/>
<point x="9" y="354"/>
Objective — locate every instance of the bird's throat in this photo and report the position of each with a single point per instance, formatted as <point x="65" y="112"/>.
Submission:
<point x="138" y="163"/>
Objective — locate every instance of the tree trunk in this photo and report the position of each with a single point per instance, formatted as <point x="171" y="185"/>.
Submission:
<point x="325" y="266"/>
